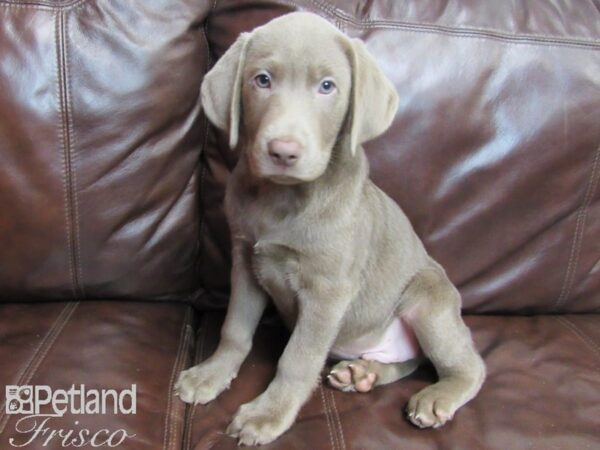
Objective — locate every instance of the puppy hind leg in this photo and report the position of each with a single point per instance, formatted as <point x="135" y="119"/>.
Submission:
<point x="360" y="375"/>
<point x="446" y="341"/>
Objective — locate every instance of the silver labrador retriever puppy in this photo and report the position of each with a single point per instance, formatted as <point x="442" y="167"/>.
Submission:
<point x="337" y="256"/>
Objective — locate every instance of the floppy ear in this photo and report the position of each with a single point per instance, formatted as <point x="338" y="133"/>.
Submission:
<point x="373" y="101"/>
<point x="221" y="89"/>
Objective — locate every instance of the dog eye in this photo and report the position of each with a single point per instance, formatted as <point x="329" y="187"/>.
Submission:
<point x="263" y="81"/>
<point x="326" y="87"/>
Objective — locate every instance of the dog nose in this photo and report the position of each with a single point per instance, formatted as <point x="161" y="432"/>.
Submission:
<point x="284" y="152"/>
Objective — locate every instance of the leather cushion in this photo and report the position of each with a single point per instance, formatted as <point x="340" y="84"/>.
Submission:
<point x="100" y="137"/>
<point x="542" y="391"/>
<point x="103" y="345"/>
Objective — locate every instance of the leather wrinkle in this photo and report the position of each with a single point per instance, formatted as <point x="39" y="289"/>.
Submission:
<point x="510" y="252"/>
<point x="203" y="165"/>
<point x="39" y="354"/>
<point x="169" y="427"/>
<point x="595" y="348"/>
<point x="577" y="242"/>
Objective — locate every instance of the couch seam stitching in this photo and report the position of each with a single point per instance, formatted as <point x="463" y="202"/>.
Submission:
<point x="72" y="156"/>
<point x="65" y="142"/>
<point x="187" y="340"/>
<point x="569" y="277"/>
<point x="337" y="418"/>
<point x="198" y="357"/>
<point x="62" y="143"/>
<point x="581" y="335"/>
<point x="332" y="439"/>
<point x="167" y="437"/>
<point x="492" y="33"/>
<point x="40" y="5"/>
<point x="40" y="354"/>
<point x="331" y="417"/>
<point x="29" y="362"/>
<point x="472" y="33"/>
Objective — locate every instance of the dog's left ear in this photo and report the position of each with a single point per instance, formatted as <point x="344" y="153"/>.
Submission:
<point x="373" y="100"/>
<point x="221" y="89"/>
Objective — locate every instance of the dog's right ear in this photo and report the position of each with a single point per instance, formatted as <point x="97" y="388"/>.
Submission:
<point x="221" y="89"/>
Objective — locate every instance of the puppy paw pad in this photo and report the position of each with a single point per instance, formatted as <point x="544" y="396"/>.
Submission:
<point x="430" y="408"/>
<point x="352" y="376"/>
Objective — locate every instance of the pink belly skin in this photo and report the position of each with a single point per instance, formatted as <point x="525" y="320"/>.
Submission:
<point x="397" y="344"/>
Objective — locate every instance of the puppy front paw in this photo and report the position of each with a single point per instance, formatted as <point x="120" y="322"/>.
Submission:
<point x="202" y="383"/>
<point x="262" y="420"/>
<point x="431" y="407"/>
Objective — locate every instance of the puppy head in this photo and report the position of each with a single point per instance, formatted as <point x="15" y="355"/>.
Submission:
<point x="290" y="88"/>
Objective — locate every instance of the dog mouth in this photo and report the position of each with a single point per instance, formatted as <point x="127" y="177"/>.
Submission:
<point x="284" y="179"/>
<point x="278" y="175"/>
<point x="261" y="167"/>
<point x="264" y="169"/>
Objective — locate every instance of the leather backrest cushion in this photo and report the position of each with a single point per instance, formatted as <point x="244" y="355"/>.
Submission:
<point x="494" y="153"/>
<point x="100" y="138"/>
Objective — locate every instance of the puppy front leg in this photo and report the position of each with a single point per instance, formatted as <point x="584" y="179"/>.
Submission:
<point x="319" y="317"/>
<point x="204" y="382"/>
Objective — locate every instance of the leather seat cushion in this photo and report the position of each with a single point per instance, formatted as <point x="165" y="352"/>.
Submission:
<point x="103" y="345"/>
<point x="542" y="391"/>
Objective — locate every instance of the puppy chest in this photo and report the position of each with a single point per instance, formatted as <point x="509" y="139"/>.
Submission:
<point x="276" y="269"/>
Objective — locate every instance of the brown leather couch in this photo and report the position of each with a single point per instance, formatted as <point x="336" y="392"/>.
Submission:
<point x="114" y="252"/>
